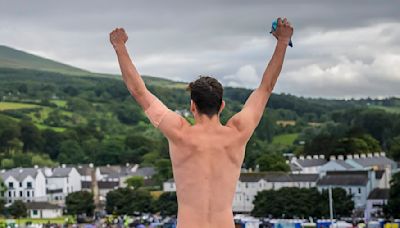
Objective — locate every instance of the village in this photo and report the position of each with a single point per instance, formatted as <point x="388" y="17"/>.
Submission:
<point x="366" y="177"/>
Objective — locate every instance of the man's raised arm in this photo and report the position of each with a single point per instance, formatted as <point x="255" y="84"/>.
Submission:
<point x="159" y="115"/>
<point x="249" y="117"/>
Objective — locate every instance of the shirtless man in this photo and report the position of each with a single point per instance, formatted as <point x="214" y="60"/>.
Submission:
<point x="207" y="156"/>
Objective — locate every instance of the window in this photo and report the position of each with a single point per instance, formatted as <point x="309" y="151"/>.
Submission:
<point x="247" y="185"/>
<point x="350" y="191"/>
<point x="29" y="184"/>
<point x="359" y="190"/>
<point x="9" y="194"/>
<point x="10" y="185"/>
<point x="34" y="212"/>
<point x="20" y="193"/>
<point x="33" y="193"/>
<point x="28" y="193"/>
<point x="20" y="184"/>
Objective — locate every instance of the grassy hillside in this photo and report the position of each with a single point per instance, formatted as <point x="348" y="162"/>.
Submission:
<point x="12" y="58"/>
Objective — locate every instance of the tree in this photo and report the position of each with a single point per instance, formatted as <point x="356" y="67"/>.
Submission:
<point x="71" y="153"/>
<point x="300" y="202"/>
<point x="127" y="201"/>
<point x="30" y="136"/>
<point x="2" y="192"/>
<point x="81" y="202"/>
<point x="394" y="150"/>
<point x="167" y="204"/>
<point x="392" y="209"/>
<point x="163" y="169"/>
<point x="18" y="209"/>
<point x="135" y="182"/>
<point x="272" y="162"/>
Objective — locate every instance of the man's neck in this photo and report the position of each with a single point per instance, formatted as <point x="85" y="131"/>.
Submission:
<point x="204" y="120"/>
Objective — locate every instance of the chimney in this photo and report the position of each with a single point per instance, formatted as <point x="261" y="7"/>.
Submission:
<point x="383" y="154"/>
<point x="63" y="165"/>
<point x="322" y="156"/>
<point x="363" y="156"/>
<point x="356" y="156"/>
<point x="349" y="156"/>
<point x="332" y="158"/>
<point x="36" y="166"/>
<point x="315" y="156"/>
<point x="108" y="165"/>
<point x="309" y="157"/>
<point x="369" y="155"/>
<point x="127" y="164"/>
<point x="340" y="157"/>
<point x="91" y="165"/>
<point x="376" y="154"/>
<point x="301" y="157"/>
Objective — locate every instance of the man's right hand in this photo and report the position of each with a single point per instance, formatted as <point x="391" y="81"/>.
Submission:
<point x="118" y="37"/>
<point x="284" y="30"/>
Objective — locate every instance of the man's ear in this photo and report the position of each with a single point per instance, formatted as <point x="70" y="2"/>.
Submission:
<point x="222" y="106"/>
<point x="192" y="106"/>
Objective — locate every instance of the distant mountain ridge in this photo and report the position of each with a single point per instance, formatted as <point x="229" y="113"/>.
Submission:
<point x="13" y="58"/>
<point x="17" y="59"/>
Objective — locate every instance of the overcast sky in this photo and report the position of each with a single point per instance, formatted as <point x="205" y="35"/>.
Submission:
<point x="341" y="49"/>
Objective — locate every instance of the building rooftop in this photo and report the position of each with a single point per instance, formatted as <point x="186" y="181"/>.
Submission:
<point x="311" y="162"/>
<point x="277" y="177"/>
<point x="61" y="172"/>
<point x="379" y="194"/>
<point x="41" y="205"/>
<point x="20" y="173"/>
<point x="344" y="178"/>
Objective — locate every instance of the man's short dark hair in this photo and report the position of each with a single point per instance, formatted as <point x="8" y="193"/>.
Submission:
<point x="206" y="92"/>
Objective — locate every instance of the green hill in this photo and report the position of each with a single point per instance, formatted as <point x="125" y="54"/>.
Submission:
<point x="12" y="58"/>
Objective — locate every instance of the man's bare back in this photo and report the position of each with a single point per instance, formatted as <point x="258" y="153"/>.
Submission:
<point x="206" y="166"/>
<point x="207" y="156"/>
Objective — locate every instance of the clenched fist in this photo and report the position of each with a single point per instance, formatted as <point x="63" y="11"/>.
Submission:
<point x="118" y="37"/>
<point x="284" y="30"/>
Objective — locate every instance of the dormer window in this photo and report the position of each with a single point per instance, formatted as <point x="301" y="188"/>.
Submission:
<point x="10" y="185"/>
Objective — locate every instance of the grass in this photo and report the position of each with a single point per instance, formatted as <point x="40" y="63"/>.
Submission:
<point x="43" y="126"/>
<point x="23" y="221"/>
<point x="14" y="105"/>
<point x="60" y="103"/>
<point x="285" y="139"/>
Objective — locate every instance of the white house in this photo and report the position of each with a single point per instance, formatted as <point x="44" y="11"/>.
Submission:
<point x="308" y="164"/>
<point x="43" y="210"/>
<point x="26" y="184"/>
<point x="87" y="171"/>
<point x="357" y="183"/>
<point x="250" y="184"/>
<point x="62" y="181"/>
<point x="375" y="202"/>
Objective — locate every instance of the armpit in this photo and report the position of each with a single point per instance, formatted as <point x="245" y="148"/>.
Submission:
<point x="156" y="112"/>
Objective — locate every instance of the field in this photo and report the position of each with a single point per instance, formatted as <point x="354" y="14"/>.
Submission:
<point x="40" y="114"/>
<point x="14" y="106"/>
<point x="285" y="139"/>
<point x="23" y="221"/>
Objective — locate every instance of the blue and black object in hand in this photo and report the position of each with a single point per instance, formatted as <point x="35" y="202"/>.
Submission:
<point x="273" y="29"/>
